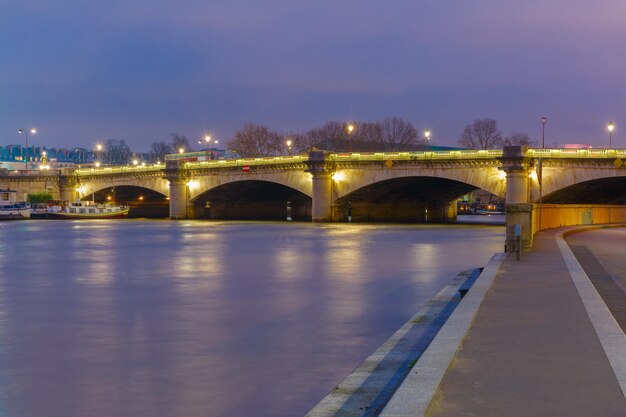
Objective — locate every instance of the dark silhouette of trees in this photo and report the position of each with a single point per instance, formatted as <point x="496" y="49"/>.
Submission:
<point x="389" y="134"/>
<point x="158" y="150"/>
<point x="520" y="139"/>
<point x="180" y="142"/>
<point x="481" y="134"/>
<point x="116" y="152"/>
<point x="397" y="133"/>
<point x="257" y="140"/>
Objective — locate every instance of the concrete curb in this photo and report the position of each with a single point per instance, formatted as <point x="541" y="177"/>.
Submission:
<point x="390" y="361"/>
<point x="421" y="384"/>
<point x="611" y="336"/>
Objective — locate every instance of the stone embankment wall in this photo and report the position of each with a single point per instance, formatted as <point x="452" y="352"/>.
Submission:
<point x="547" y="216"/>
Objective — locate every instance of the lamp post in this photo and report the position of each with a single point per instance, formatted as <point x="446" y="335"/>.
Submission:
<point x="350" y="129"/>
<point x="98" y="154"/>
<point x="427" y="134"/>
<point x="44" y="167"/>
<point x="611" y="127"/>
<point x="289" y="143"/>
<point x="32" y="130"/>
<point x="544" y="119"/>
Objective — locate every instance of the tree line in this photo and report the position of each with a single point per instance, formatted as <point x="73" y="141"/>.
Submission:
<point x="388" y="134"/>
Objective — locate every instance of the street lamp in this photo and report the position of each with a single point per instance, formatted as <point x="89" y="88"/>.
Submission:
<point x="544" y="119"/>
<point x="44" y="167"/>
<point x="98" y="150"/>
<point x="289" y="142"/>
<point x="427" y="134"/>
<point x="350" y="128"/>
<point x="32" y="130"/>
<point x="611" y="127"/>
<point x="181" y="150"/>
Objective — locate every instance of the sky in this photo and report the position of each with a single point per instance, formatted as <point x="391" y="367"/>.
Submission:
<point x="82" y="71"/>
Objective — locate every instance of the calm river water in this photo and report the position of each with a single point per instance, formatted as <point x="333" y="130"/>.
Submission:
<point x="158" y="318"/>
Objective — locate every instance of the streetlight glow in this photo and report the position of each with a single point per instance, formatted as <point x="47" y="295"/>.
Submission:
<point x="32" y="130"/>
<point x="99" y="147"/>
<point x="181" y="150"/>
<point x="427" y="134"/>
<point x="611" y="126"/>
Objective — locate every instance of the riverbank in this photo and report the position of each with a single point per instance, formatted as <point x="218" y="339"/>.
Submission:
<point x="541" y="343"/>
<point x="370" y="386"/>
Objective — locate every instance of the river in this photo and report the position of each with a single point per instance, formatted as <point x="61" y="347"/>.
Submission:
<point x="190" y="318"/>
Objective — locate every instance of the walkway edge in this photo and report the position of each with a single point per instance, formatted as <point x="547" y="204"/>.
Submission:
<point x="420" y="386"/>
<point x="611" y="336"/>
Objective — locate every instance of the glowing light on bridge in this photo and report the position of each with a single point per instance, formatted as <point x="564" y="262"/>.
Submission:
<point x="339" y="176"/>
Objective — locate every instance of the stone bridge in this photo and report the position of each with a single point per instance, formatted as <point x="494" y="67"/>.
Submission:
<point x="397" y="186"/>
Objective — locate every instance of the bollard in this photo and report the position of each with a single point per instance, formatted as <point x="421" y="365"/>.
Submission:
<point x="518" y="241"/>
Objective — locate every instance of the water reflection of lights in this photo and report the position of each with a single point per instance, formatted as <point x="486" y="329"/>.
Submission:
<point x="101" y="255"/>
<point x="287" y="261"/>
<point x="424" y="256"/>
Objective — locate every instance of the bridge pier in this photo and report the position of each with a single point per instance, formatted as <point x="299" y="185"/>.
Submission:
<point x="179" y="193"/>
<point x="67" y="188"/>
<point x="518" y="207"/>
<point x="442" y="212"/>
<point x="321" y="168"/>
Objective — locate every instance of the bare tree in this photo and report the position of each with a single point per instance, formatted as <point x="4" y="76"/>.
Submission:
<point x="520" y="139"/>
<point x="256" y="140"/>
<point x="116" y="152"/>
<point x="181" y="142"/>
<point x="158" y="150"/>
<point x="482" y="134"/>
<point x="396" y="133"/>
<point x="367" y="134"/>
<point x="331" y="137"/>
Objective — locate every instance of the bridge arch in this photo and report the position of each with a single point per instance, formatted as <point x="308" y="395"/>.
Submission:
<point x="564" y="183"/>
<point x="404" y="199"/>
<point x="488" y="178"/>
<point x="88" y="185"/>
<point x="253" y="199"/>
<point x="606" y="190"/>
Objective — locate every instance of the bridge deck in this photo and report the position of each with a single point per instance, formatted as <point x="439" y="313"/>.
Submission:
<point x="535" y="348"/>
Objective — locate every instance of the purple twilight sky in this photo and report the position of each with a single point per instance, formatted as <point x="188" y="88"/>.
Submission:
<point x="138" y="70"/>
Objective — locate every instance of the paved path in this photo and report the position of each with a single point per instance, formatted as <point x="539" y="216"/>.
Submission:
<point x="532" y="349"/>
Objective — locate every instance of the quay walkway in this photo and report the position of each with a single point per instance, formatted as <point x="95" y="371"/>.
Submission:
<point x="531" y="338"/>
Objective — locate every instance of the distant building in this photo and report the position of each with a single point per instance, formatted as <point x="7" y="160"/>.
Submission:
<point x="32" y="156"/>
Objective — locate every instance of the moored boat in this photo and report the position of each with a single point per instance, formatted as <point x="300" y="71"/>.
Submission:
<point x="82" y="210"/>
<point x="17" y="211"/>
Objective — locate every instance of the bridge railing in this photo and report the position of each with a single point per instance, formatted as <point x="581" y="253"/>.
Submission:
<point x="365" y="156"/>
<point x="268" y="160"/>
<point x="576" y="153"/>
<point x="119" y="170"/>
<point x="420" y="155"/>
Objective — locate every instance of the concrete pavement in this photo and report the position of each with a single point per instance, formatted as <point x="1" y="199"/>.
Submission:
<point x="541" y="344"/>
